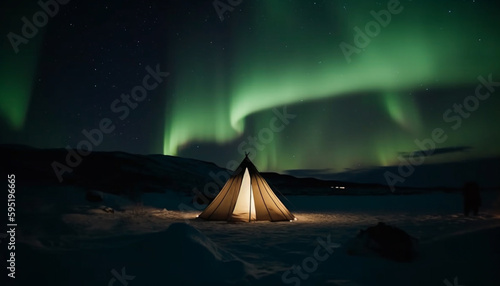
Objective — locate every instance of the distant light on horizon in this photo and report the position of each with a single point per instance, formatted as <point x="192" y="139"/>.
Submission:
<point x="338" y="187"/>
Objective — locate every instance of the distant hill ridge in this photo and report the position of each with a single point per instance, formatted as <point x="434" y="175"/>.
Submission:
<point x="132" y="174"/>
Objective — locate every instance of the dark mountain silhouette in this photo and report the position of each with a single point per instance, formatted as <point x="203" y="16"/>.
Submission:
<point x="131" y="174"/>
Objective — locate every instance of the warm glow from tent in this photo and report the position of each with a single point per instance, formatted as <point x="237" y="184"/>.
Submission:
<point x="245" y="194"/>
<point x="245" y="205"/>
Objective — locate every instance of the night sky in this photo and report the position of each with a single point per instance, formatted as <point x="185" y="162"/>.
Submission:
<point x="228" y="79"/>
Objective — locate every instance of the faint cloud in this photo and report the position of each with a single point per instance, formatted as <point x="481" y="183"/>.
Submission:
<point x="437" y="151"/>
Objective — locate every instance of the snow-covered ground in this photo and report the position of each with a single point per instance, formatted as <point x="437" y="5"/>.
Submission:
<point x="64" y="240"/>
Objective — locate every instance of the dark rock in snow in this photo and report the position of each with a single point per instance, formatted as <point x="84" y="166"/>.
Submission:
<point x="386" y="241"/>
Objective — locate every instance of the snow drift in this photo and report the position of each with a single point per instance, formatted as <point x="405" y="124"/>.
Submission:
<point x="179" y="255"/>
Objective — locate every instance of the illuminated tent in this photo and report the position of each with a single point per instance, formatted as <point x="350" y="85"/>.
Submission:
<point x="246" y="196"/>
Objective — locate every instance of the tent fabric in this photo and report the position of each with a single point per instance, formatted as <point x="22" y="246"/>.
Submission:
<point x="246" y="196"/>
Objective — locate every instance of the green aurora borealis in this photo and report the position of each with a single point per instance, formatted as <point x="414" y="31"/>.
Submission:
<point x="17" y="72"/>
<point x="291" y="55"/>
<point x="228" y="76"/>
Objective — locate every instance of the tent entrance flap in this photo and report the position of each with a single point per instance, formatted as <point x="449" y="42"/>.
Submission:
<point x="244" y="210"/>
